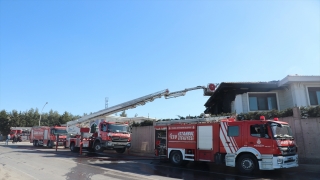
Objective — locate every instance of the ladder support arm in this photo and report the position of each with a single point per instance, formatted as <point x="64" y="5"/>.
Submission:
<point x="182" y="92"/>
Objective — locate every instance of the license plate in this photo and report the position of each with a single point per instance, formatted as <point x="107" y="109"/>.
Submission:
<point x="85" y="144"/>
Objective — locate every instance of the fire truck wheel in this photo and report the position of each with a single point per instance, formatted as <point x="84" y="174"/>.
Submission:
<point x="121" y="150"/>
<point x="176" y="158"/>
<point x="97" y="147"/>
<point x="34" y="143"/>
<point x="50" y="144"/>
<point x="247" y="163"/>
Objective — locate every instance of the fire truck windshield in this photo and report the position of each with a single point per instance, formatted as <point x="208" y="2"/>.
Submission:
<point x="117" y="128"/>
<point x="281" y="131"/>
<point x="60" y="131"/>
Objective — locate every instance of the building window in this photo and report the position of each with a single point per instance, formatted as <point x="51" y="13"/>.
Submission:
<point x="314" y="95"/>
<point x="265" y="101"/>
<point x="233" y="131"/>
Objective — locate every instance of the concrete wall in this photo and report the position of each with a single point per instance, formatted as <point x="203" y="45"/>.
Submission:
<point x="142" y="139"/>
<point x="307" y="135"/>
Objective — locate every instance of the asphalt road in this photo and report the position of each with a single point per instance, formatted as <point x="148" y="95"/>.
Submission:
<point x="23" y="161"/>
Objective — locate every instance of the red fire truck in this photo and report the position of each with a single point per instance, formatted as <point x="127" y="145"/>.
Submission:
<point x="47" y="136"/>
<point x="105" y="135"/>
<point x="249" y="145"/>
<point x="22" y="132"/>
<point x="15" y="132"/>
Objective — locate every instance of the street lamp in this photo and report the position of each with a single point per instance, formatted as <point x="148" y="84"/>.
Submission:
<point x="41" y="112"/>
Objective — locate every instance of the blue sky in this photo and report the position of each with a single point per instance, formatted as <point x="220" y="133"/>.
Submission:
<point x="74" y="54"/>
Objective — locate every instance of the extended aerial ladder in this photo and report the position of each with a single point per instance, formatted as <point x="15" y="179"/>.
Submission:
<point x="132" y="104"/>
<point x="120" y="107"/>
<point x="79" y="129"/>
<point x="193" y="121"/>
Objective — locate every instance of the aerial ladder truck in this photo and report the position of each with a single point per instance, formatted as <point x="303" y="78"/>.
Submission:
<point x="249" y="145"/>
<point x="93" y="133"/>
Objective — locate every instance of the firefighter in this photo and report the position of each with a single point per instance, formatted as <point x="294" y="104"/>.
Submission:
<point x="8" y="138"/>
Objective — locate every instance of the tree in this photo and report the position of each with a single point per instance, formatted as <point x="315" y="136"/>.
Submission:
<point x="123" y="114"/>
<point x="4" y="123"/>
<point x="14" y="119"/>
<point x="53" y="118"/>
<point x="65" y="118"/>
<point x="146" y="123"/>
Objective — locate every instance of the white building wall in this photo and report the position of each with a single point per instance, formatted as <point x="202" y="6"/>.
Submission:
<point x="299" y="94"/>
<point x="238" y="104"/>
<point x="233" y="107"/>
<point x="285" y="99"/>
<point x="245" y="104"/>
<point x="282" y="98"/>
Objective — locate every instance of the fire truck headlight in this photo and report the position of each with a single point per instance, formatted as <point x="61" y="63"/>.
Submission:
<point x="280" y="160"/>
<point x="128" y="145"/>
<point x="110" y="144"/>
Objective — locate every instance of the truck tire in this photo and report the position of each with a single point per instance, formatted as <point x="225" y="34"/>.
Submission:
<point x="34" y="143"/>
<point x="121" y="150"/>
<point x="247" y="163"/>
<point x="97" y="147"/>
<point x="73" y="148"/>
<point x="49" y="144"/>
<point x="176" y="158"/>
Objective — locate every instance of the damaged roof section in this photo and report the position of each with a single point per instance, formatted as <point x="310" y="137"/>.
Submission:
<point x="220" y="100"/>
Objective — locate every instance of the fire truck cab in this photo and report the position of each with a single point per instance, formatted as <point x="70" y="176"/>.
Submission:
<point x="249" y="145"/>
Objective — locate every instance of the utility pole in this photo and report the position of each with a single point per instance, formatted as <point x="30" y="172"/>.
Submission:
<point x="41" y="112"/>
<point x="106" y="102"/>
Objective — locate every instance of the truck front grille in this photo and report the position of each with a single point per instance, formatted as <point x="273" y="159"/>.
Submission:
<point x="290" y="150"/>
<point x="119" y="139"/>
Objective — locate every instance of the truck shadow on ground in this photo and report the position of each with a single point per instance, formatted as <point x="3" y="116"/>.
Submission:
<point x="110" y="163"/>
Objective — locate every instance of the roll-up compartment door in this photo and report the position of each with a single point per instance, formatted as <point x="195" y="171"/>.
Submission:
<point x="204" y="138"/>
<point x="46" y="134"/>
